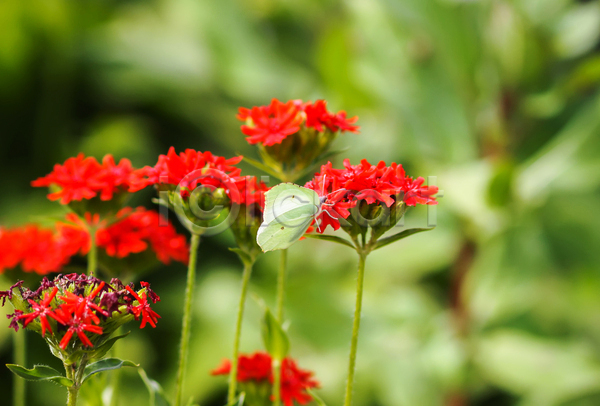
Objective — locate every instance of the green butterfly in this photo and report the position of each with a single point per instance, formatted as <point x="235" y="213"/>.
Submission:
<point x="289" y="211"/>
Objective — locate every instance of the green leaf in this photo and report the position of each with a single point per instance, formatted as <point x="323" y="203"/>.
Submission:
<point x="331" y="238"/>
<point x="107" y="364"/>
<point x="275" y="339"/>
<point x="316" y="399"/>
<point x="157" y="393"/>
<point x="399" y="236"/>
<point x="40" y="373"/>
<point x="244" y="257"/>
<point x="261" y="166"/>
<point x="101" y="350"/>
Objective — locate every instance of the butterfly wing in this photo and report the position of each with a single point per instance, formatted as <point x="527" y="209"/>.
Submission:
<point x="289" y="210"/>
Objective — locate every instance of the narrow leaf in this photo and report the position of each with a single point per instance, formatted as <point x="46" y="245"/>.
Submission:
<point x="244" y="257"/>
<point x="101" y="350"/>
<point x="107" y="364"/>
<point x="275" y="338"/>
<point x="331" y="238"/>
<point x="316" y="399"/>
<point x="399" y="236"/>
<point x="40" y="373"/>
<point x="261" y="166"/>
<point x="157" y="393"/>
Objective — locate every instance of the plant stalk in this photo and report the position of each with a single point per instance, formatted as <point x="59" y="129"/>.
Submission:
<point x="72" y="391"/>
<point x="279" y="317"/>
<point x="355" y="326"/>
<point x="93" y="253"/>
<point x="187" y="315"/>
<point x="238" y="331"/>
<point x="19" y="353"/>
<point x="277" y="383"/>
<point x="281" y="286"/>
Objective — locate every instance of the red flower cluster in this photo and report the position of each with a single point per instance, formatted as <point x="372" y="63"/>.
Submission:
<point x="80" y="304"/>
<point x="84" y="178"/>
<point x="258" y="368"/>
<point x="271" y="124"/>
<point x="34" y="248"/>
<point x="251" y="191"/>
<point x="42" y="250"/>
<point x="131" y="233"/>
<point x="343" y="188"/>
<point x="190" y="169"/>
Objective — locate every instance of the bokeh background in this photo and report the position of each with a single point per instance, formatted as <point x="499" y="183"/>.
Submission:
<point x="499" y="305"/>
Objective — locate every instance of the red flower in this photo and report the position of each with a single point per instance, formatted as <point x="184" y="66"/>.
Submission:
<point x="101" y="311"/>
<point x="317" y="116"/>
<point x="143" y="309"/>
<point x="114" y="178"/>
<point x="84" y="178"/>
<point x="251" y="190"/>
<point x="133" y="231"/>
<point x="34" y="248"/>
<point x="258" y="367"/>
<point x="343" y="188"/>
<point x="294" y="382"/>
<point x="43" y="311"/>
<point x="78" y="320"/>
<point x="73" y="302"/>
<point x="255" y="367"/>
<point x="271" y="124"/>
<point x="189" y="169"/>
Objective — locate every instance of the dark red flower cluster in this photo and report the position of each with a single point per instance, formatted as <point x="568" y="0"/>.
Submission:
<point x="258" y="368"/>
<point x="33" y="248"/>
<point x="190" y="169"/>
<point x="271" y="124"/>
<point x="84" y="178"/>
<point x="132" y="232"/>
<point x="73" y="305"/>
<point x="343" y="188"/>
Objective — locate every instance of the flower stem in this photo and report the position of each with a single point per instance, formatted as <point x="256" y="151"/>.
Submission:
<point x="73" y="390"/>
<point x="19" y="354"/>
<point x="355" y="326"/>
<point x="281" y="285"/>
<point x="238" y="331"/>
<point x="93" y="253"/>
<point x="277" y="382"/>
<point x="116" y="374"/>
<point x="279" y="318"/>
<point x="187" y="315"/>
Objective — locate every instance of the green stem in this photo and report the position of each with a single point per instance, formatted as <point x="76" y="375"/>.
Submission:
<point x="93" y="253"/>
<point x="19" y="354"/>
<point x="355" y="326"/>
<point x="187" y="315"/>
<point x="277" y="383"/>
<point x="73" y="390"/>
<point x="279" y="318"/>
<point x="281" y="286"/>
<point x="238" y="332"/>
<point x="116" y="374"/>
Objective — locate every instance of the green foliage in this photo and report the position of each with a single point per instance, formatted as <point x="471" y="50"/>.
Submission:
<point x="498" y="99"/>
<point x="40" y="373"/>
<point x="274" y="337"/>
<point x="106" y="364"/>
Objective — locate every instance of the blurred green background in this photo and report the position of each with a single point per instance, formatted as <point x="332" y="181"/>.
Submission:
<point x="499" y="305"/>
